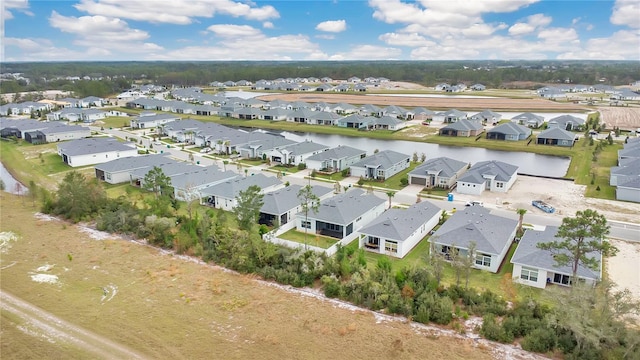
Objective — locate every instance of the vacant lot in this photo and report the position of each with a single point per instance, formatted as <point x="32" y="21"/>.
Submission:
<point x="626" y="118"/>
<point x="164" y="306"/>
<point x="496" y="104"/>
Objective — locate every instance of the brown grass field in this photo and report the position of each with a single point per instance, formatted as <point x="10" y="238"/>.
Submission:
<point x="626" y="118"/>
<point x="497" y="104"/>
<point x="168" y="307"/>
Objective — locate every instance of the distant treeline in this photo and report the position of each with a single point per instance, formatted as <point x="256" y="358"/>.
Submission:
<point x="493" y="74"/>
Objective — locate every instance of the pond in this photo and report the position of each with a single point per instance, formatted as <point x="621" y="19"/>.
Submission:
<point x="528" y="163"/>
<point x="11" y="185"/>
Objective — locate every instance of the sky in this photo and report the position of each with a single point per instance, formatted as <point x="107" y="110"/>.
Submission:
<point x="178" y="30"/>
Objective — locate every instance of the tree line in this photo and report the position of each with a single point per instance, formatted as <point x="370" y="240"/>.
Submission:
<point x="492" y="73"/>
<point x="582" y="322"/>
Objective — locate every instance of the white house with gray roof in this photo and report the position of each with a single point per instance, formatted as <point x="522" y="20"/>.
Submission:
<point x="556" y="136"/>
<point x="396" y="231"/>
<point x="463" y="128"/>
<point x="223" y="195"/>
<point x="487" y="116"/>
<point x="381" y="166"/>
<point x="492" y="235"/>
<point x="152" y="120"/>
<point x="629" y="190"/>
<point x="119" y="170"/>
<point x="509" y="131"/>
<point x="490" y="175"/>
<point x="295" y="154"/>
<point x="566" y="122"/>
<point x="195" y="184"/>
<point x="281" y="206"/>
<point x="335" y="159"/>
<point x="528" y="119"/>
<point x="343" y="215"/>
<point x="82" y="152"/>
<point x="536" y="267"/>
<point x="438" y="172"/>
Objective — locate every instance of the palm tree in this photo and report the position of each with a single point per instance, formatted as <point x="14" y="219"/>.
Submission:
<point x="521" y="212"/>
<point x="390" y="194"/>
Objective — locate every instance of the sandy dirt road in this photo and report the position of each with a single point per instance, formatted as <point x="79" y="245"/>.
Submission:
<point x="38" y="322"/>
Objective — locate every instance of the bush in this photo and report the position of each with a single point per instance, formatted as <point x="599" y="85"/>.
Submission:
<point x="540" y="340"/>
<point x="492" y="330"/>
<point x="345" y="172"/>
<point x="404" y="181"/>
<point x="302" y="166"/>
<point x="361" y="181"/>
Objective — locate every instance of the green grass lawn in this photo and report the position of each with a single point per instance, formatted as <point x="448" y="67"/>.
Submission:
<point x="282" y="168"/>
<point x="116" y="122"/>
<point x="601" y="168"/>
<point x="320" y="241"/>
<point x="330" y="177"/>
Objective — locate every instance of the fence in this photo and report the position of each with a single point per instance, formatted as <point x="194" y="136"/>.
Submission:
<point x="272" y="237"/>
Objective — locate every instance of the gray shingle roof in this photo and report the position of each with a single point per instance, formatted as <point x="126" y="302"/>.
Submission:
<point x="339" y="152"/>
<point x="169" y="169"/>
<point x="633" y="183"/>
<point x="510" y="128"/>
<point x="501" y="170"/>
<point x="528" y="254"/>
<point x="156" y="117"/>
<point x="443" y="166"/>
<point x="231" y="188"/>
<point x="346" y="207"/>
<point x="92" y="146"/>
<point x="383" y="160"/>
<point x="280" y="201"/>
<point x="198" y="176"/>
<point x="134" y="162"/>
<point x="304" y="147"/>
<point x="464" y="124"/>
<point x="399" y="224"/>
<point x="490" y="232"/>
<point x="557" y="133"/>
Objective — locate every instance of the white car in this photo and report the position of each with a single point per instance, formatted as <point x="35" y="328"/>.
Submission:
<point x="474" y="203"/>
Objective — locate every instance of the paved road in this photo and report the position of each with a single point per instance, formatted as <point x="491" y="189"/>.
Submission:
<point x="47" y="325"/>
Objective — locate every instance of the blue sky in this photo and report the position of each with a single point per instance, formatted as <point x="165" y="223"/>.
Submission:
<point x="90" y="30"/>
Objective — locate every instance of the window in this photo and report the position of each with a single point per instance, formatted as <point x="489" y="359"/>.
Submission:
<point x="391" y="246"/>
<point x="500" y="185"/>
<point x="483" y="260"/>
<point x="529" y="274"/>
<point x="305" y="224"/>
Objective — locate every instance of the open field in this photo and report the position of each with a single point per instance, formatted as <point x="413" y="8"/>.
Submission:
<point x="496" y="104"/>
<point x="162" y="306"/>
<point x="626" y="118"/>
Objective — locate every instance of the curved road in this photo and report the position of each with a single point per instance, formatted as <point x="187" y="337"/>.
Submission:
<point x="53" y="327"/>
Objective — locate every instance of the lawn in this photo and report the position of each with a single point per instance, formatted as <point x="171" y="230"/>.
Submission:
<point x="337" y="176"/>
<point x="282" y="168"/>
<point x="115" y="122"/>
<point x="320" y="241"/>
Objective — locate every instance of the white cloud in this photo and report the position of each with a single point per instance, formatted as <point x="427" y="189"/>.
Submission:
<point x="368" y="52"/>
<point x="476" y="7"/>
<point x="100" y="32"/>
<point x="626" y="12"/>
<point x="230" y="30"/>
<point x="405" y="39"/>
<point x="6" y="14"/>
<point x="334" y="26"/>
<point x="175" y="11"/>
<point x="532" y="23"/>
<point x="622" y="44"/>
<point x="267" y="25"/>
<point x="325" y="36"/>
<point x="36" y="49"/>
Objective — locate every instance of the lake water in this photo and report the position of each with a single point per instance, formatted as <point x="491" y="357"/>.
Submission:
<point x="528" y="163"/>
<point x="10" y="184"/>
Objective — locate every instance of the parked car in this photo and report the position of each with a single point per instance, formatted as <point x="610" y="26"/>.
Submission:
<point x="474" y="203"/>
<point x="205" y="150"/>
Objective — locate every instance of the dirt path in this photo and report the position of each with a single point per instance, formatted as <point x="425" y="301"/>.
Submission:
<point x="38" y="322"/>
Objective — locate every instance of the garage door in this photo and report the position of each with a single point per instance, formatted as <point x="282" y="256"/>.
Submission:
<point x="418" y="181"/>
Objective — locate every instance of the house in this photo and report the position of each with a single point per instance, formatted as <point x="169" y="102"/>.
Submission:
<point x="335" y="159"/>
<point x="386" y="123"/>
<point x="260" y="144"/>
<point x="627" y="170"/>
<point x="195" y="183"/>
<point x="90" y="151"/>
<point x="341" y="216"/>
<point x="629" y="190"/>
<point x="152" y="120"/>
<point x="381" y="166"/>
<point x="451" y="116"/>
<point x="529" y="120"/>
<point x="223" y="195"/>
<point x="398" y="112"/>
<point x="355" y="121"/>
<point x="295" y="154"/>
<point x="275" y="114"/>
<point x="56" y="132"/>
<point x="491" y="234"/>
<point x="280" y="206"/>
<point x="324" y="118"/>
<point x="487" y="116"/>
<point x="536" y="267"/>
<point x="370" y="110"/>
<point x="509" y="132"/>
<point x="462" y="127"/>
<point x="438" y="172"/>
<point x="566" y="122"/>
<point x="423" y="114"/>
<point x="119" y="170"/>
<point x="478" y="87"/>
<point x="556" y="136"/>
<point x="302" y="115"/>
<point x="396" y="231"/>
<point x="487" y="175"/>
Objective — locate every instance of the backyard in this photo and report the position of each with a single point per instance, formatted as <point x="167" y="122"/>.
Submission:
<point x="316" y="240"/>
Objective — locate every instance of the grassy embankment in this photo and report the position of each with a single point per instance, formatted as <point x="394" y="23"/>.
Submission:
<point x="167" y="307"/>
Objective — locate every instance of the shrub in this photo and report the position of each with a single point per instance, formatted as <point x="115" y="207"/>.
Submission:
<point x="540" y="340"/>
<point x="492" y="330"/>
<point x="361" y="181"/>
<point x="404" y="181"/>
<point x="302" y="166"/>
<point x="345" y="172"/>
